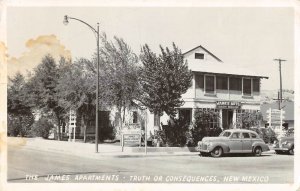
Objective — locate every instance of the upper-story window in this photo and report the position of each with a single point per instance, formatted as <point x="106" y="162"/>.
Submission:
<point x="210" y="84"/>
<point x="256" y="85"/>
<point x="199" y="56"/>
<point x="247" y="86"/>
<point x="222" y="82"/>
<point x="235" y="83"/>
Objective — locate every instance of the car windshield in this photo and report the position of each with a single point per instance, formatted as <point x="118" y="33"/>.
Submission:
<point x="225" y="134"/>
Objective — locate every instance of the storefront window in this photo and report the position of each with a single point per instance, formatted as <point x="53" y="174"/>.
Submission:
<point x="247" y="86"/>
<point x="210" y="84"/>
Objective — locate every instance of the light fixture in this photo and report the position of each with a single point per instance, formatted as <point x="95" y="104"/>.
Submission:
<point x="66" y="21"/>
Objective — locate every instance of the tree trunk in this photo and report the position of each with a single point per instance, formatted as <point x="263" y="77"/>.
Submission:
<point x="84" y="127"/>
<point x="58" y="126"/>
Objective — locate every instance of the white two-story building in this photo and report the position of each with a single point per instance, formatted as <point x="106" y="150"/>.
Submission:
<point x="226" y="89"/>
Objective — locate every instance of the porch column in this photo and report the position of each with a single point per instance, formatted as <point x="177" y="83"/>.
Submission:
<point x="234" y="119"/>
<point x="221" y="119"/>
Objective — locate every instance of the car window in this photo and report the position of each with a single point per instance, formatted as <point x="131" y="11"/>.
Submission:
<point x="235" y="135"/>
<point x="253" y="135"/>
<point x="225" y="134"/>
<point x="246" y="135"/>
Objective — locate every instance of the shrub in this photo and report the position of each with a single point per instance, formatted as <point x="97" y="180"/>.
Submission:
<point x="19" y="124"/>
<point x="107" y="133"/>
<point x="267" y="134"/>
<point x="204" y="125"/>
<point x="41" y="128"/>
<point x="174" y="134"/>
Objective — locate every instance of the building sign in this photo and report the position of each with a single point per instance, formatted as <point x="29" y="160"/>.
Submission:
<point x="228" y="105"/>
<point x="131" y="139"/>
<point x="275" y="120"/>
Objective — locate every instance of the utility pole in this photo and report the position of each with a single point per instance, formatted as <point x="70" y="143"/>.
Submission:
<point x="280" y="92"/>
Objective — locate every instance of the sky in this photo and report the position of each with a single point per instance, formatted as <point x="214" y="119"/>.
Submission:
<point x="245" y="37"/>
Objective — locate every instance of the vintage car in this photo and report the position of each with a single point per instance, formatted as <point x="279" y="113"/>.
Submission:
<point x="233" y="141"/>
<point x="285" y="144"/>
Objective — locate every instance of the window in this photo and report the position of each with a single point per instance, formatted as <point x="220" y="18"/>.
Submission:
<point x="246" y="135"/>
<point x="199" y="56"/>
<point x="134" y="117"/>
<point x="199" y="80"/>
<point x="253" y="135"/>
<point x="235" y="135"/>
<point x="156" y="120"/>
<point x="210" y="84"/>
<point x="256" y="85"/>
<point x="235" y="84"/>
<point x="247" y="86"/>
<point x="222" y="83"/>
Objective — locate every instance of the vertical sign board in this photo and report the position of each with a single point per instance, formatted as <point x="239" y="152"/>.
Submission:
<point x="275" y="119"/>
<point x="72" y="124"/>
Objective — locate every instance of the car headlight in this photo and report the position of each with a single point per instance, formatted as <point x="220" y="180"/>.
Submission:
<point x="285" y="143"/>
<point x="208" y="144"/>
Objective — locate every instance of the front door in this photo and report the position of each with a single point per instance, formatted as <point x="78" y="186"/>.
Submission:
<point x="235" y="143"/>
<point x="247" y="143"/>
<point x="227" y="115"/>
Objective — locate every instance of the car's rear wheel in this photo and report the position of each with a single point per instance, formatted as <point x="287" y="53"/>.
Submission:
<point x="291" y="151"/>
<point x="257" y="151"/>
<point x="217" y="152"/>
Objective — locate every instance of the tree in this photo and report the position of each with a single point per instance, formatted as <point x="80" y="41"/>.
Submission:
<point x="119" y="74"/>
<point x="163" y="79"/>
<point x="20" y="117"/>
<point x="42" y="88"/>
<point x="77" y="90"/>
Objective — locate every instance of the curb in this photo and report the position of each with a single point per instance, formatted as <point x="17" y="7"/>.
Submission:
<point x="110" y="155"/>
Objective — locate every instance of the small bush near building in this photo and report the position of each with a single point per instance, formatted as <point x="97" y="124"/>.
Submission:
<point x="107" y="133"/>
<point x="175" y="134"/>
<point x="205" y="125"/>
<point x="267" y="134"/>
<point x="41" y="128"/>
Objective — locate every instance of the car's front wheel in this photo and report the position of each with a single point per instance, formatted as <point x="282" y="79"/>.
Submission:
<point x="217" y="152"/>
<point x="291" y="151"/>
<point x="257" y="151"/>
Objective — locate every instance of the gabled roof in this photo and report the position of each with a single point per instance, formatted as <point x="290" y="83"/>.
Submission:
<point x="205" y="51"/>
<point x="220" y="67"/>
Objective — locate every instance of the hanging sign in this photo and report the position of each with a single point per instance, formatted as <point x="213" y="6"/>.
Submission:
<point x="228" y="105"/>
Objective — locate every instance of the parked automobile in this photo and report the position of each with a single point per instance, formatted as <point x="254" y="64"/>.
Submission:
<point x="285" y="144"/>
<point x="233" y="141"/>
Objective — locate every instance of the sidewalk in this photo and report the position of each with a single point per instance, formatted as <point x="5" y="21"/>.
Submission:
<point x="104" y="149"/>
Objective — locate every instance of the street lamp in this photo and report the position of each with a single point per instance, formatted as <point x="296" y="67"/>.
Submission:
<point x="66" y="21"/>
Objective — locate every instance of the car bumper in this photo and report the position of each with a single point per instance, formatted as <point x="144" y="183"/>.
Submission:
<point x="281" y="149"/>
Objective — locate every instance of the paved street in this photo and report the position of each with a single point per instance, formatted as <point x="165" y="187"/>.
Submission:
<point x="29" y="165"/>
